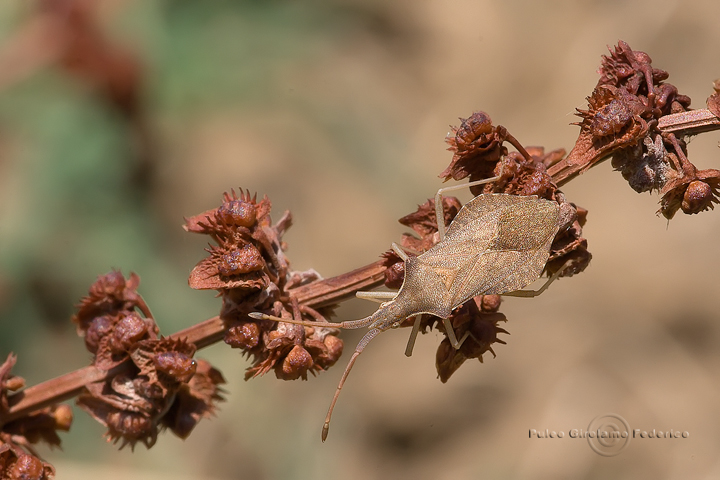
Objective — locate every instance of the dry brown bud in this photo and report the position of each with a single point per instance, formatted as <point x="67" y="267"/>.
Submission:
<point x="331" y="354"/>
<point x="241" y="212"/>
<point x="63" y="417"/>
<point x="16" y="464"/>
<point x="26" y="467"/>
<point x="110" y="294"/>
<point x="296" y="364"/>
<point x="242" y="260"/>
<point x="99" y="328"/>
<point x="698" y="197"/>
<point x="15" y="383"/>
<point x="177" y="365"/>
<point x="126" y="332"/>
<point x="195" y="400"/>
<point x="130" y="427"/>
<point x="490" y="303"/>
<point x="245" y="335"/>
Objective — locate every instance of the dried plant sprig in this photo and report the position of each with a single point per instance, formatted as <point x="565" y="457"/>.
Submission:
<point x="140" y="382"/>
<point x="146" y="374"/>
<point x="171" y="391"/>
<point x="635" y="118"/>
<point x="317" y="294"/>
<point x="18" y="458"/>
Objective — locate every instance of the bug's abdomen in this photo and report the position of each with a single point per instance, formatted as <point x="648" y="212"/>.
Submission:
<point x="496" y="244"/>
<point x="525" y="227"/>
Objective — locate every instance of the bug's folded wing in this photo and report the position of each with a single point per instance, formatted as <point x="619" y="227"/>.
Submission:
<point x="500" y="272"/>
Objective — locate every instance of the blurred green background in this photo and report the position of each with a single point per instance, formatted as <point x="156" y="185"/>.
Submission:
<point x="337" y="110"/>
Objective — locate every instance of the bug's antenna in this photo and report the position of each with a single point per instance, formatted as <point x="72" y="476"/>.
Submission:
<point x="363" y="322"/>
<point x="358" y="350"/>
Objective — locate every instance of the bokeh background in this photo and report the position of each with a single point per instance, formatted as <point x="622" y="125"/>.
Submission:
<point x="337" y="110"/>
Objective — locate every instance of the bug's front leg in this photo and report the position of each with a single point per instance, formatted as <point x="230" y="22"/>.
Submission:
<point x="413" y="336"/>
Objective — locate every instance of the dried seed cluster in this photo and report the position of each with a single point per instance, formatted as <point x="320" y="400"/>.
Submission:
<point x="622" y="121"/>
<point x="154" y="382"/>
<point x="18" y="458"/>
<point x="249" y="268"/>
<point x="480" y="317"/>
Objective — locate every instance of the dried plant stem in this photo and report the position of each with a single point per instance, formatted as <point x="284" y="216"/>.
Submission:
<point x="574" y="164"/>
<point x="316" y="294"/>
<point x="333" y="290"/>
<point x="689" y="123"/>
<point x="692" y="122"/>
<point x="56" y="390"/>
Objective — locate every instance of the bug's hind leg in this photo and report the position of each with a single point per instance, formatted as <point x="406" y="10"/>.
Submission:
<point x="535" y="293"/>
<point x="440" y="214"/>
<point x="451" y="334"/>
<point x="381" y="297"/>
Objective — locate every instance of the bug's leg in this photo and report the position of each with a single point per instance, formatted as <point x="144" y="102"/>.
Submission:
<point x="399" y="251"/>
<point x="535" y="293"/>
<point x="451" y="334"/>
<point x="379" y="297"/>
<point x="363" y="322"/>
<point x="404" y="250"/>
<point x="440" y="214"/>
<point x="358" y="350"/>
<point x="413" y="336"/>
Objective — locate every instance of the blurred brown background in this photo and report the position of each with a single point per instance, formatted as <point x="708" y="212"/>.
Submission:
<point x="337" y="110"/>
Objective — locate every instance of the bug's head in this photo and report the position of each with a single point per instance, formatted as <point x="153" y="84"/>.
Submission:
<point x="389" y="315"/>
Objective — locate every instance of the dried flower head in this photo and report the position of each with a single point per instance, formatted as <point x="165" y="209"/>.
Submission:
<point x="111" y="293"/>
<point x="623" y="121"/>
<point x="480" y="318"/>
<point x="249" y="268"/>
<point x="477" y="145"/>
<point x="630" y="69"/>
<point x="134" y="403"/>
<point x="15" y="464"/>
<point x="196" y="399"/>
<point x="108" y="320"/>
